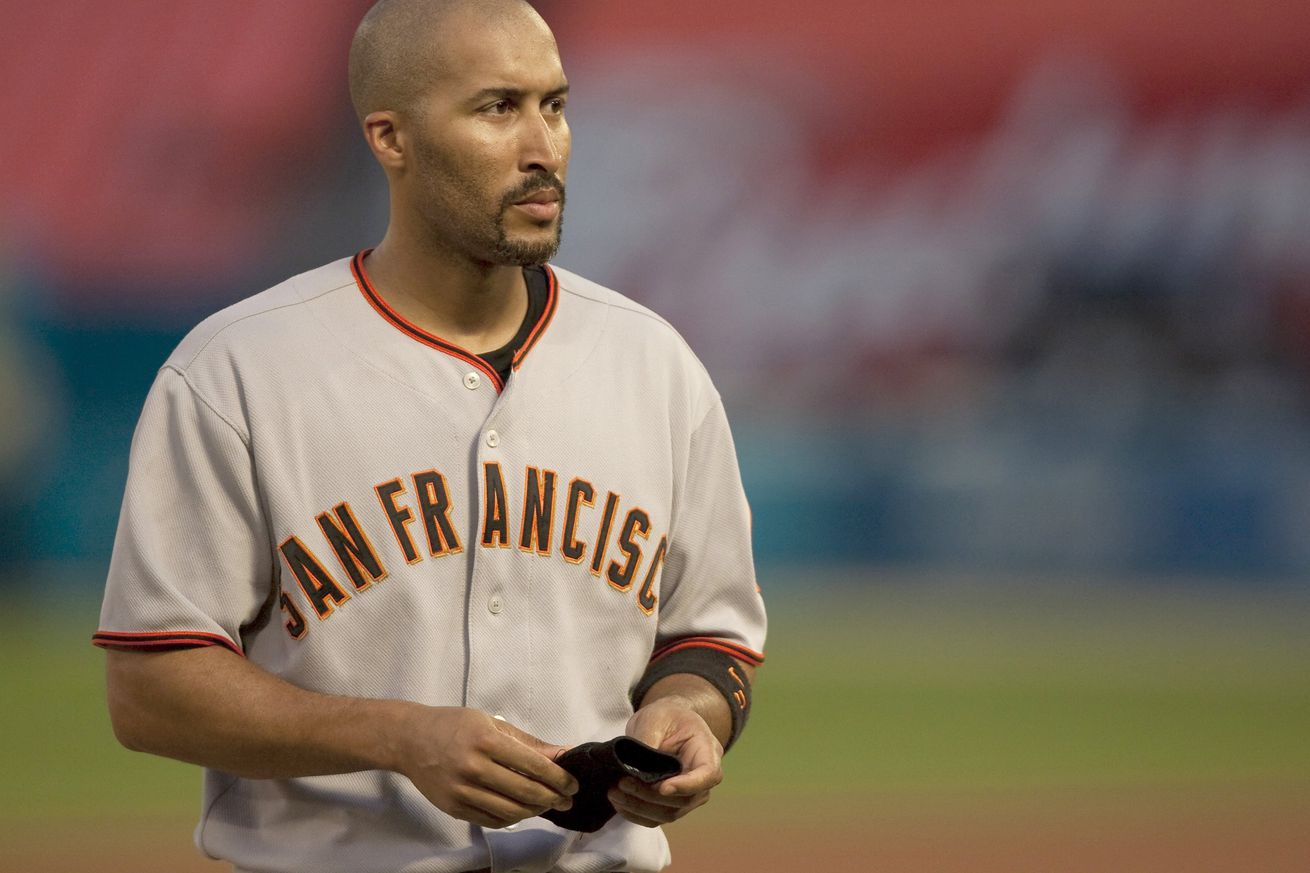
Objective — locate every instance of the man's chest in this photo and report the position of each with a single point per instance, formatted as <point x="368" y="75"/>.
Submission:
<point x="561" y="495"/>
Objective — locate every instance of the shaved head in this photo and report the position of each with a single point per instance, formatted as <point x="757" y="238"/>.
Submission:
<point x="398" y="49"/>
<point x="462" y="103"/>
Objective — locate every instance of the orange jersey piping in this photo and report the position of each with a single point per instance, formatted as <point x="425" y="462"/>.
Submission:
<point x="163" y="640"/>
<point x="413" y="331"/>
<point x="737" y="651"/>
<point x="552" y="298"/>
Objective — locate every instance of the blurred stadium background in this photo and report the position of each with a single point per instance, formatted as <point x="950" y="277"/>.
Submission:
<point x="1010" y="306"/>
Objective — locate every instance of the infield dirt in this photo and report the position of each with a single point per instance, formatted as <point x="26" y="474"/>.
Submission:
<point x="1157" y="832"/>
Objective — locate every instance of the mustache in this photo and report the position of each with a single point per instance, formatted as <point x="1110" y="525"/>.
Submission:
<point x="532" y="186"/>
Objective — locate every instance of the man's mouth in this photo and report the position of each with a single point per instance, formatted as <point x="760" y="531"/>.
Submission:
<point x="542" y="204"/>
<point x="544" y="195"/>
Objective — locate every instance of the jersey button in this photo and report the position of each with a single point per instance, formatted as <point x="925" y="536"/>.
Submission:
<point x="472" y="381"/>
<point x="493" y="438"/>
<point x="495" y="604"/>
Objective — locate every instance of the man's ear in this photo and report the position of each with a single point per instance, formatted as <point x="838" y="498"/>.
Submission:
<point x="382" y="133"/>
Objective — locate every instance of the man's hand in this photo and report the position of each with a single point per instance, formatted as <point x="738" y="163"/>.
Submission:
<point x="480" y="769"/>
<point x="672" y="725"/>
<point x="211" y="707"/>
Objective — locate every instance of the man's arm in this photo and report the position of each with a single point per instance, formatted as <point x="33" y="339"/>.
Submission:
<point x="695" y="693"/>
<point x="687" y="716"/>
<point x="211" y="707"/>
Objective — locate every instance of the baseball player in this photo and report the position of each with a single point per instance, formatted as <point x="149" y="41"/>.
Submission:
<point x="403" y="529"/>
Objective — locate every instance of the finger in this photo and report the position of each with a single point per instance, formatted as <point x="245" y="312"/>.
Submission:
<point x="498" y="809"/>
<point x="694" y="781"/>
<point x="522" y="789"/>
<point x="635" y="808"/>
<point x="479" y="817"/>
<point x="523" y="752"/>
<point x="650" y="794"/>
<point x="536" y="743"/>
<point x="701" y="758"/>
<point x="632" y="813"/>
<point x="638" y="820"/>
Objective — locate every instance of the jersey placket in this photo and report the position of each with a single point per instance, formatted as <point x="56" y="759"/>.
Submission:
<point x="498" y="618"/>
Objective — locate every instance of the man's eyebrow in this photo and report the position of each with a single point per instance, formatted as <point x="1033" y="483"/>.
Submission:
<point x="514" y="93"/>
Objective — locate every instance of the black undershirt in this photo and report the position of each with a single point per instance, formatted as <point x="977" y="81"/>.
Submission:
<point x="502" y="359"/>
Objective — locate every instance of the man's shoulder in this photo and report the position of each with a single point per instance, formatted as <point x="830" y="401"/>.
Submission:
<point x="262" y="320"/>
<point x="618" y="331"/>
<point x="625" y="316"/>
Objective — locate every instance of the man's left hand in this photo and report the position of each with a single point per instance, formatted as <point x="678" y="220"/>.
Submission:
<point x="671" y="725"/>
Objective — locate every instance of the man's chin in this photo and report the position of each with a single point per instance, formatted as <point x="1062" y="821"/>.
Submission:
<point x="524" y="254"/>
<point x="527" y="250"/>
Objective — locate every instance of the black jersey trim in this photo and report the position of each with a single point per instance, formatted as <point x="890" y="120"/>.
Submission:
<point x="413" y="330"/>
<point x="502" y="359"/>
<point x="552" y="300"/>
<point x="163" y="640"/>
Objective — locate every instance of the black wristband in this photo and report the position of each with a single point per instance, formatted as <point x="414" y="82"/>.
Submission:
<point x="714" y="666"/>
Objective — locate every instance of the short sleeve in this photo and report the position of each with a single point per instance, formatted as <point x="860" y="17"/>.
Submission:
<point x="708" y="594"/>
<point x="192" y="563"/>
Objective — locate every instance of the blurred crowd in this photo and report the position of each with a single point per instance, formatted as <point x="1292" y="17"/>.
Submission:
<point x="1039" y="304"/>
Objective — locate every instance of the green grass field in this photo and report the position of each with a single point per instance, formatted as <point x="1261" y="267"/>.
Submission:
<point x="902" y="691"/>
<point x="886" y="698"/>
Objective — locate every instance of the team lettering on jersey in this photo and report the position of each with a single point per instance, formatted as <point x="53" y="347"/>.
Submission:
<point x="568" y="522"/>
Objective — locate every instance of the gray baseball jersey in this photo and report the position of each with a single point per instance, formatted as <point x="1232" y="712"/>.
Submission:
<point x="364" y="509"/>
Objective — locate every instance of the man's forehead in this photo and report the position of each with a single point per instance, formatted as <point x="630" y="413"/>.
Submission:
<point x="511" y="52"/>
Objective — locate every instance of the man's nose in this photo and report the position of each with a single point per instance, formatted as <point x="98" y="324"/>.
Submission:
<point x="541" y="149"/>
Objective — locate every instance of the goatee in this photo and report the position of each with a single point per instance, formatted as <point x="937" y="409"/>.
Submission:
<point x="523" y="253"/>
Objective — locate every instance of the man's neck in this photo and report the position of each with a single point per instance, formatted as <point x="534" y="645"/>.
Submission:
<point x="478" y="307"/>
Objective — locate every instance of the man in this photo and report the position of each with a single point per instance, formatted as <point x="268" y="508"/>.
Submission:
<point x="400" y="531"/>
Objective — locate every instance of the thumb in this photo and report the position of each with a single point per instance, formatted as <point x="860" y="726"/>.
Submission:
<point x="550" y="750"/>
<point x="650" y="731"/>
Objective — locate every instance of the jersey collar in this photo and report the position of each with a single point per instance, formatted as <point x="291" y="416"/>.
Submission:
<point x="413" y="331"/>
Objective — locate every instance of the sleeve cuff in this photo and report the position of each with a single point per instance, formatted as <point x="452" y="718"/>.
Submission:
<point x="162" y="640"/>
<point x="750" y="656"/>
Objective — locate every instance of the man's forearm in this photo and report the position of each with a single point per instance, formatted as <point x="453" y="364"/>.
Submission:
<point x="211" y="707"/>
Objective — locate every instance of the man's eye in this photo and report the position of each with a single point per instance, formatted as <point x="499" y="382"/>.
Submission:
<point x="556" y="105"/>
<point x="500" y="107"/>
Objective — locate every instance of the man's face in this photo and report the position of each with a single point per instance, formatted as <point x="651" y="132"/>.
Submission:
<point x="490" y="146"/>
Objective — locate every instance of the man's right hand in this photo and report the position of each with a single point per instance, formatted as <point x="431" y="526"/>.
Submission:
<point x="211" y="707"/>
<point x="480" y="769"/>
